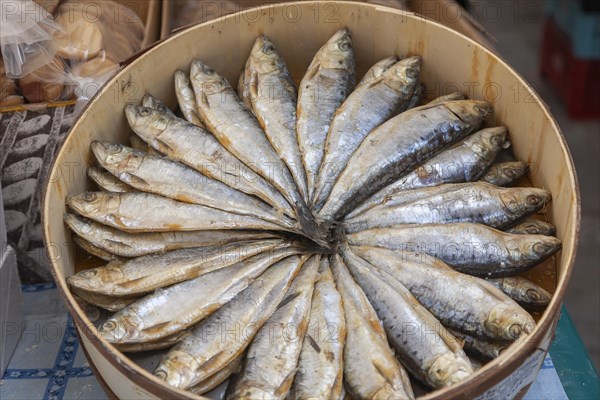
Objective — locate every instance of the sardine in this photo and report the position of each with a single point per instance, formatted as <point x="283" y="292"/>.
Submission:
<point x="464" y="162"/>
<point x="169" y="311"/>
<point x="371" y="371"/>
<point x="144" y="274"/>
<point x="272" y="358"/>
<point x="271" y="94"/>
<point x="108" y="182"/>
<point x="505" y="173"/>
<point x="329" y="79"/>
<point x="399" y="145"/>
<point x="473" y="249"/>
<point x="195" y="146"/>
<point x="164" y="343"/>
<point x="365" y="109"/>
<point x="95" y="250"/>
<point x="179" y="182"/>
<point x="378" y="69"/>
<point x="146" y="212"/>
<point x="523" y="291"/>
<point x="229" y="119"/>
<point x="225" y="334"/>
<point x="186" y="98"/>
<point x="320" y="366"/>
<point x="131" y="245"/>
<point x="219" y="377"/>
<point x="481" y="348"/>
<point x="533" y="227"/>
<point x="476" y="202"/>
<point x="422" y="344"/>
<point x="459" y="301"/>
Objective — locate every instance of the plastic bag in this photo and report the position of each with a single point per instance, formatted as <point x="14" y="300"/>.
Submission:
<point x="81" y="48"/>
<point x="26" y="37"/>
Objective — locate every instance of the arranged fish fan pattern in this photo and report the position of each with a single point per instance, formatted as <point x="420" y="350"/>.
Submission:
<point x="28" y="143"/>
<point x="302" y="245"/>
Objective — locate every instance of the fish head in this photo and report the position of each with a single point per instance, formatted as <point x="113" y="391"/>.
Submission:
<point x="78" y="224"/>
<point x="123" y="327"/>
<point x="471" y="113"/>
<point x="91" y="204"/>
<point x="205" y="79"/>
<point x="177" y="369"/>
<point x="532" y="293"/>
<point x="524" y="200"/>
<point x="152" y="102"/>
<point x="512" y="171"/>
<point x="538" y="228"/>
<point x="449" y="369"/>
<point x="510" y="321"/>
<point x="404" y="75"/>
<point x="117" y="158"/>
<point x="337" y="53"/>
<point x="146" y="122"/>
<point x="536" y="248"/>
<point x="487" y="142"/>
<point x="94" y="278"/>
<point x="264" y="58"/>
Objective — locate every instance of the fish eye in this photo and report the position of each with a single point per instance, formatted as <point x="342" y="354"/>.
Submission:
<point x="412" y="73"/>
<point x="540" y="248"/>
<point x="533" y="199"/>
<point x="515" y="330"/>
<point x="161" y="373"/>
<point x="532" y="230"/>
<point x="89" y="196"/>
<point x="144" y="111"/>
<point x="497" y="141"/>
<point x="268" y="49"/>
<point x="345" y="45"/>
<point x="88" y="274"/>
<point x="511" y="173"/>
<point x="533" y="294"/>
<point x="209" y="71"/>
<point x="108" y="326"/>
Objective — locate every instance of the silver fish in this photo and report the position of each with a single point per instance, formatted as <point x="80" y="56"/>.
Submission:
<point x="505" y="173"/>
<point x="272" y="358"/>
<point x="177" y="181"/>
<point x="474" y="249"/>
<point x="464" y="162"/>
<point x="533" y="227"/>
<point x="96" y="251"/>
<point x="459" y="301"/>
<point x="476" y="202"/>
<point x="145" y="212"/>
<point x="378" y="69"/>
<point x="399" y="145"/>
<point x="479" y="347"/>
<point x="371" y="371"/>
<point x="196" y="147"/>
<point x="270" y="92"/>
<point x="320" y="366"/>
<point x="186" y="98"/>
<point x="219" y="377"/>
<point x="434" y="357"/>
<point x="327" y="82"/>
<point x="145" y="274"/>
<point x="131" y="245"/>
<point x="366" y="108"/>
<point x="228" y="118"/>
<point x="169" y="311"/>
<point x="225" y="334"/>
<point x="523" y="291"/>
<point x="108" y="182"/>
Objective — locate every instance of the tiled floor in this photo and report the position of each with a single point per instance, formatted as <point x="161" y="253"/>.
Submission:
<point x="517" y="27"/>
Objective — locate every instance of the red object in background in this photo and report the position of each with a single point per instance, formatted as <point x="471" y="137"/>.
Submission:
<point x="577" y="80"/>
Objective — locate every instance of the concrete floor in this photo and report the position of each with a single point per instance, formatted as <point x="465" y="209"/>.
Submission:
<point x="518" y="31"/>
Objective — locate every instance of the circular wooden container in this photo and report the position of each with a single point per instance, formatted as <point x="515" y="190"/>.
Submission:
<point x="451" y="62"/>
